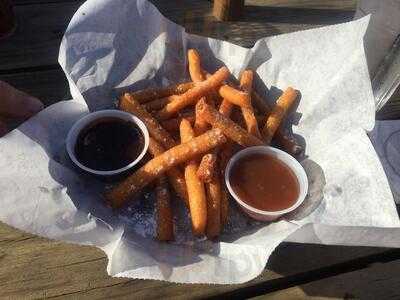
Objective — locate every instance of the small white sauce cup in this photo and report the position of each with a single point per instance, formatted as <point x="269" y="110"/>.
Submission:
<point x="288" y="160"/>
<point x="82" y="123"/>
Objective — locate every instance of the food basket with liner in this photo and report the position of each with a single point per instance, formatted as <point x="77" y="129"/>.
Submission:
<point x="114" y="46"/>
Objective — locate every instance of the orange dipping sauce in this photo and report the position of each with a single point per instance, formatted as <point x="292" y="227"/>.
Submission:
<point x="264" y="182"/>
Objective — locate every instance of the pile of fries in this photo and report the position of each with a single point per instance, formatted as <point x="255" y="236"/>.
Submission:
<point x="209" y="116"/>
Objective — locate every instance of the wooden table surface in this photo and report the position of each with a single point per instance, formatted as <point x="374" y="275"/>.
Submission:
<point x="35" y="267"/>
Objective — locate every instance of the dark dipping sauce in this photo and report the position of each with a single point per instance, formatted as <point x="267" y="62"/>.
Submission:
<point x="109" y="144"/>
<point x="264" y="182"/>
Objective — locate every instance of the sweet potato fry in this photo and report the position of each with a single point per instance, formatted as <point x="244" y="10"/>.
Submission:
<point x="157" y="104"/>
<point x="186" y="113"/>
<point x="196" y="73"/>
<point x="207" y="173"/>
<point x="130" y="104"/>
<point x="235" y="96"/>
<point x="224" y="205"/>
<point x="150" y="94"/>
<point x="195" y="66"/>
<point x="207" y="163"/>
<point x="200" y="125"/>
<point x="261" y="119"/>
<point x="173" y="124"/>
<point x="228" y="127"/>
<point x="246" y="83"/>
<point x="237" y="117"/>
<point x="279" y="112"/>
<point x="200" y="89"/>
<point x="161" y="164"/>
<point x="214" y="195"/>
<point x="225" y="108"/>
<point x="227" y="150"/>
<point x="195" y="188"/>
<point x="225" y="155"/>
<point x="260" y="104"/>
<point x="175" y="176"/>
<point x="251" y="121"/>
<point x="207" y="167"/>
<point x="288" y="143"/>
<point x="165" y="223"/>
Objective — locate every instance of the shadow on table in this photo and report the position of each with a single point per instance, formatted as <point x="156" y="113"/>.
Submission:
<point x="374" y="281"/>
<point x="339" y="272"/>
<point x="257" y="21"/>
<point x="292" y="15"/>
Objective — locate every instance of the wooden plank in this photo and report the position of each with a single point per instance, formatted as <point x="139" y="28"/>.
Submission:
<point x="28" y="2"/>
<point x="257" y="21"/>
<point x="228" y="10"/>
<point x="38" y="268"/>
<point x="320" y="4"/>
<point x="310" y="276"/>
<point x="38" y="35"/>
<point x="44" y="89"/>
<point x="41" y="26"/>
<point x="34" y="267"/>
<point x="379" y="281"/>
<point x="50" y="86"/>
<point x="310" y="4"/>
<point x="9" y="235"/>
<point x="294" y="293"/>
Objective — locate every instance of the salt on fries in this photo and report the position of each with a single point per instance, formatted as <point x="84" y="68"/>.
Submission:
<point x="209" y="115"/>
<point x="175" y="176"/>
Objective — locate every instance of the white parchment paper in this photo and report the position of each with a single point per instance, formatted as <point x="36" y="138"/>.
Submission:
<point x="383" y="29"/>
<point x="116" y="45"/>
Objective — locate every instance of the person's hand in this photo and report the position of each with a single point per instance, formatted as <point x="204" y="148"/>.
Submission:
<point x="15" y="106"/>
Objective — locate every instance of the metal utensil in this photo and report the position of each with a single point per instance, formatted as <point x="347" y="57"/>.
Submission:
<point x="387" y="78"/>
